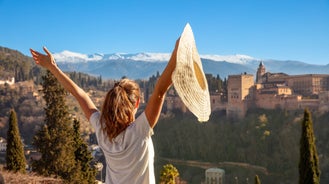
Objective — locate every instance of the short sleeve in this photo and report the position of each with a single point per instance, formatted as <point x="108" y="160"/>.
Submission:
<point x="94" y="119"/>
<point x="143" y="126"/>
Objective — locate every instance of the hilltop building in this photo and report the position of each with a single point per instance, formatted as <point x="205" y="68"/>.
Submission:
<point x="240" y="94"/>
<point x="276" y="90"/>
<point x="268" y="91"/>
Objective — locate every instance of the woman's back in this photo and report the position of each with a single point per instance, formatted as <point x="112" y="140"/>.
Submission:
<point x="130" y="155"/>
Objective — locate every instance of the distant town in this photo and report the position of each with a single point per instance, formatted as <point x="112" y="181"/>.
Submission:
<point x="268" y="91"/>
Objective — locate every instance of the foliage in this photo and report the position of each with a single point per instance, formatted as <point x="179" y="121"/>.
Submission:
<point x="55" y="139"/>
<point x="28" y="109"/>
<point x="15" y="64"/>
<point x="215" y="84"/>
<point x="15" y="159"/>
<point x="309" y="172"/>
<point x="83" y="156"/>
<point x="271" y="145"/>
<point x="168" y="174"/>
<point x="271" y="142"/>
<point x="86" y="81"/>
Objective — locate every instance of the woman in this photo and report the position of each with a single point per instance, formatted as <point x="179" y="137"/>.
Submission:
<point x="125" y="141"/>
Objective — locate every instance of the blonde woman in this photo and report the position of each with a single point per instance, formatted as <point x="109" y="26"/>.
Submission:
<point x="125" y="141"/>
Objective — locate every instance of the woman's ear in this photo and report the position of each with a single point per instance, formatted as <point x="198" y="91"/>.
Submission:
<point x="137" y="103"/>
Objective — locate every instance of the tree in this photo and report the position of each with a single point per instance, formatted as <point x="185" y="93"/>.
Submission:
<point x="169" y="174"/>
<point x="15" y="158"/>
<point x="83" y="156"/>
<point x="55" y="139"/>
<point x="257" y="180"/>
<point x="309" y="172"/>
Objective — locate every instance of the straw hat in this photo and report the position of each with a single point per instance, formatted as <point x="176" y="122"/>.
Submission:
<point x="189" y="79"/>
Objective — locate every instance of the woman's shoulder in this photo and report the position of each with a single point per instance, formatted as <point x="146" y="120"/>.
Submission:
<point x="94" y="118"/>
<point x="142" y="125"/>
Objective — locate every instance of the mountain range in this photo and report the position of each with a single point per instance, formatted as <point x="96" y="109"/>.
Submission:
<point x="144" y="65"/>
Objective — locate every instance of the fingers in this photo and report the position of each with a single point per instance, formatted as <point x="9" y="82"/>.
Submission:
<point x="47" y="51"/>
<point x="34" y="53"/>
<point x="36" y="56"/>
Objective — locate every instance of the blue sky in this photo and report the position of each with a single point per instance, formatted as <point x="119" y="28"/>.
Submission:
<point x="264" y="29"/>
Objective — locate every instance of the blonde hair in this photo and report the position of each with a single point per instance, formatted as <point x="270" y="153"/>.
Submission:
<point x="119" y="107"/>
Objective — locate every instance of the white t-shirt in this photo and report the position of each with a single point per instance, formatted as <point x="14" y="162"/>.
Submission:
<point x="130" y="156"/>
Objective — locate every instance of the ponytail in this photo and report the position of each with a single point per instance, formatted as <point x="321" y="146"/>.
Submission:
<point x="119" y="107"/>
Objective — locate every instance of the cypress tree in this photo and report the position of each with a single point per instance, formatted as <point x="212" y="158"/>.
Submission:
<point x="55" y="139"/>
<point x="15" y="158"/>
<point x="309" y="172"/>
<point x="257" y="180"/>
<point x="83" y="156"/>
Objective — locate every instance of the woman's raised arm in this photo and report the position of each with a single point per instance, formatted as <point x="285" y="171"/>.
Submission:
<point x="48" y="62"/>
<point x="154" y="106"/>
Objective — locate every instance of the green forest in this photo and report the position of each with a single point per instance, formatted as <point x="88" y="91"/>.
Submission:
<point x="264" y="143"/>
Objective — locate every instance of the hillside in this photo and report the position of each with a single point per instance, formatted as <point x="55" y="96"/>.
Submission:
<point x="265" y="142"/>
<point x="28" y="178"/>
<point x="29" y="105"/>
<point x="25" y="96"/>
<point x="14" y="64"/>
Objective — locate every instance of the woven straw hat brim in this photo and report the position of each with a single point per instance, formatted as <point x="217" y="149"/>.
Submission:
<point x="189" y="79"/>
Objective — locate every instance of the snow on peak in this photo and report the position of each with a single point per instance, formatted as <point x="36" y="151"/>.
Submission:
<point x="74" y="57"/>
<point x="237" y="58"/>
<point x="115" y="56"/>
<point x="150" y="57"/>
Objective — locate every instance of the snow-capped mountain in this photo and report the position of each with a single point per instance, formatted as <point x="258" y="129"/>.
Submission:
<point x="238" y="58"/>
<point x="73" y="57"/>
<point x="144" y="65"/>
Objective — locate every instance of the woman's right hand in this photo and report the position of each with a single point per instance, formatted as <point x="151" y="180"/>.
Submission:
<point x="46" y="61"/>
